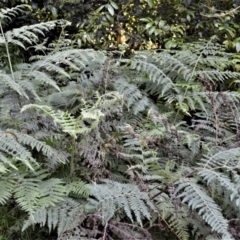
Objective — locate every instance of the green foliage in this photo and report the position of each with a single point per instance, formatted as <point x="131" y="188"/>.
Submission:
<point x="113" y="196"/>
<point x="145" y="24"/>
<point x="94" y="145"/>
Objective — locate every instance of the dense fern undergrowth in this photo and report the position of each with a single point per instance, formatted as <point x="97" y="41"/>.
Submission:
<point x="94" y="145"/>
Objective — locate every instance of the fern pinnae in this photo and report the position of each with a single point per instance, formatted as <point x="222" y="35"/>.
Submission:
<point x="40" y="146"/>
<point x="64" y="216"/>
<point x="217" y="76"/>
<point x="43" y="78"/>
<point x="118" y="196"/>
<point x="53" y="191"/>
<point x="155" y="74"/>
<point x="9" y="81"/>
<point x="175" y="63"/>
<point x="64" y="119"/>
<point x="6" y="161"/>
<point x="228" y="159"/>
<point x="212" y="176"/>
<point x="9" y="13"/>
<point x="175" y="219"/>
<point x="78" y="188"/>
<point x="6" y="189"/>
<point x="27" y="194"/>
<point x="198" y="199"/>
<point x="10" y="146"/>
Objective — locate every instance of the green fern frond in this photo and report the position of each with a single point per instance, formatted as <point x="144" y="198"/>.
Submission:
<point x="215" y="75"/>
<point x="176" y="218"/>
<point x="40" y="146"/>
<point x="52" y="192"/>
<point x="27" y="194"/>
<point x="65" y="120"/>
<point x="113" y="196"/>
<point x="29" y="34"/>
<point x="78" y="188"/>
<point x="198" y="199"/>
<point x="7" y="14"/>
<point x="155" y="75"/>
<point x="7" y="186"/>
<point x="30" y="89"/>
<point x="42" y="77"/>
<point x="10" y="146"/>
<point x="212" y="176"/>
<point x="175" y="63"/>
<point x="7" y="79"/>
<point x="228" y="159"/>
<point x="73" y="59"/>
<point x="6" y="161"/>
<point x="35" y="191"/>
<point x="64" y="216"/>
<point x="218" y="237"/>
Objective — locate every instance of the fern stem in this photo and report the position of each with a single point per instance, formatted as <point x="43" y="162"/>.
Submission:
<point x="7" y="49"/>
<point x="156" y="195"/>
<point x="105" y="231"/>
<point x="191" y="173"/>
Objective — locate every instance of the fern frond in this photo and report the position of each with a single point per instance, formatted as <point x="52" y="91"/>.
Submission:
<point x="155" y="74"/>
<point x="52" y="192"/>
<point x="6" y="189"/>
<point x="29" y="34"/>
<point x="213" y="177"/>
<point x="79" y="188"/>
<point x="10" y="146"/>
<point x="27" y="194"/>
<point x="43" y="77"/>
<point x="9" y="13"/>
<point x="218" y="237"/>
<point x="40" y="146"/>
<point x="65" y="120"/>
<point x="113" y="196"/>
<point x="175" y="63"/>
<point x="7" y="79"/>
<point x="30" y="89"/>
<point x="198" y="199"/>
<point x="228" y="159"/>
<point x="215" y="75"/>
<point x="64" y="216"/>
<point x="176" y="218"/>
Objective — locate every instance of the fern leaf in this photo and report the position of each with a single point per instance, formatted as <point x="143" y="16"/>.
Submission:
<point x="9" y="13"/>
<point x="113" y="196"/>
<point x="43" y="77"/>
<point x="40" y="146"/>
<point x="52" y="192"/>
<point x="176" y="218"/>
<point x="64" y="119"/>
<point x="155" y="74"/>
<point x="6" y="189"/>
<point x="225" y="159"/>
<point x="64" y="216"/>
<point x="7" y="79"/>
<point x="212" y="176"/>
<point x="30" y="33"/>
<point x="67" y="122"/>
<point x="79" y="188"/>
<point x="27" y="194"/>
<point x="10" y="146"/>
<point x="198" y="200"/>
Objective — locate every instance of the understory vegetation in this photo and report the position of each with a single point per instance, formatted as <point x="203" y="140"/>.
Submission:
<point x="109" y="143"/>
